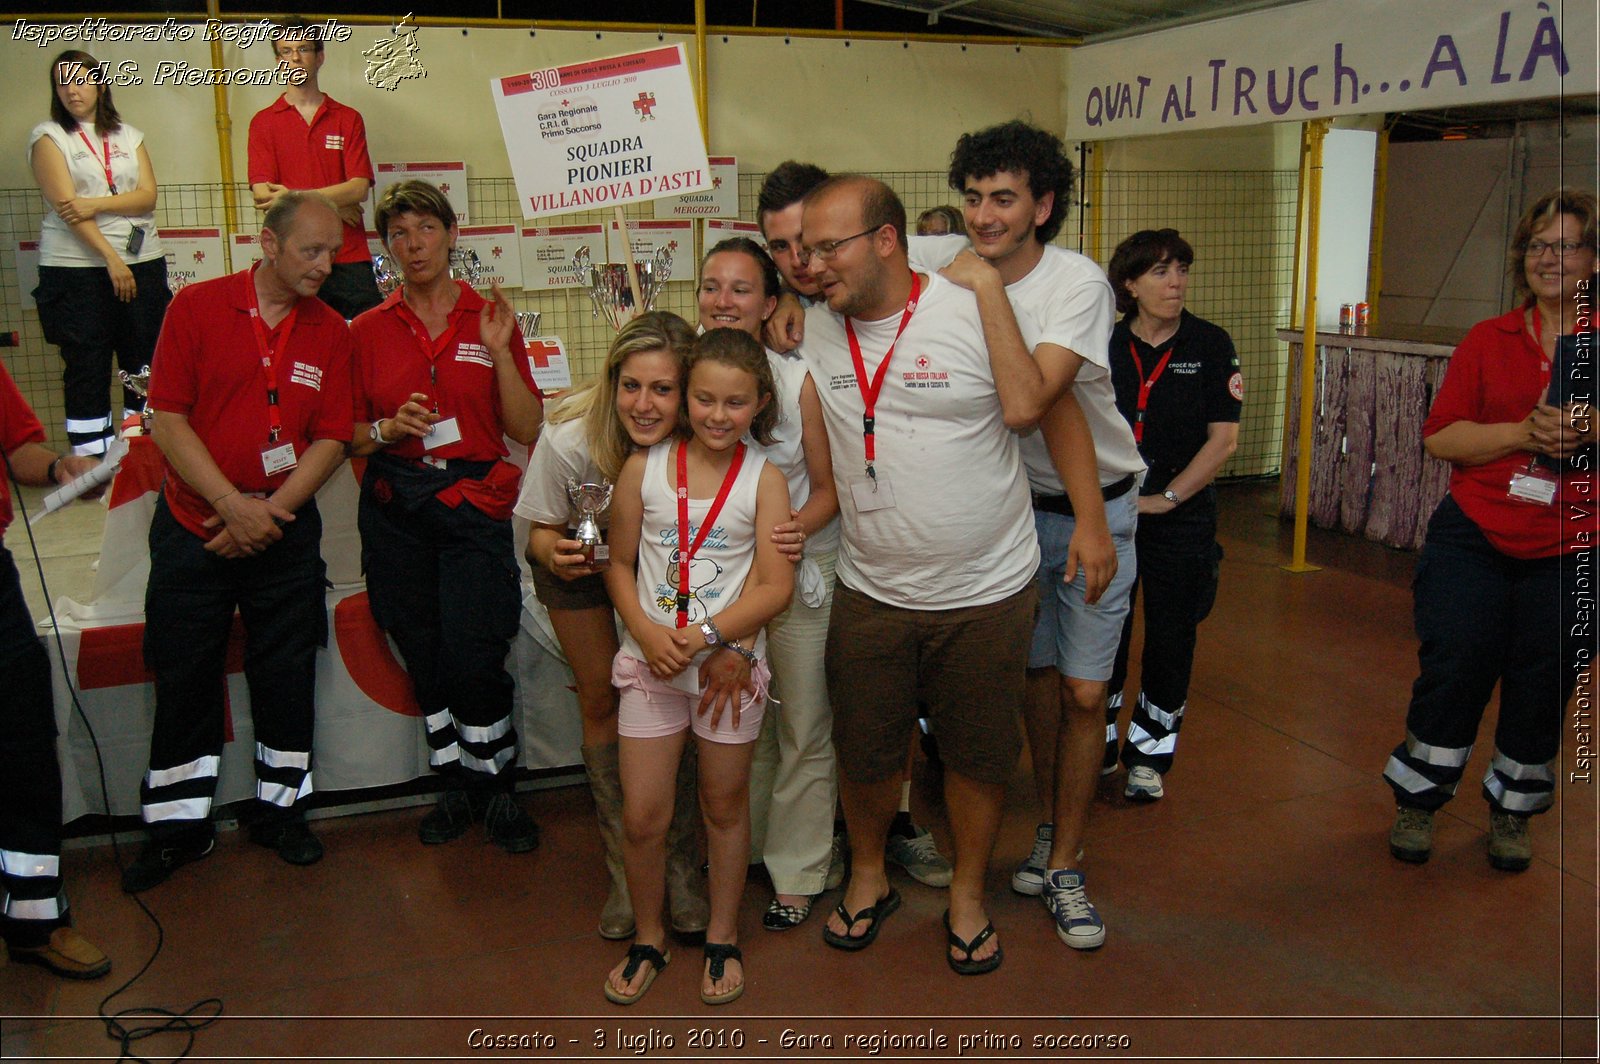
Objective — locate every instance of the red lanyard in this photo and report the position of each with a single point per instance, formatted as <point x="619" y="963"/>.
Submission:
<point x="870" y="390"/>
<point x="269" y="356"/>
<point x="430" y="347"/>
<point x="106" y="145"/>
<point x="1545" y="367"/>
<point x="686" y="555"/>
<point x="1145" y="385"/>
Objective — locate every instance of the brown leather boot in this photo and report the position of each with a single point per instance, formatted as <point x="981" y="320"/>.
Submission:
<point x="688" y="907"/>
<point x="616" y="919"/>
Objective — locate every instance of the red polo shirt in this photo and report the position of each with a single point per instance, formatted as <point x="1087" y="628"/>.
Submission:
<point x="391" y="362"/>
<point x="332" y="149"/>
<point x="207" y="367"/>
<point x="1497" y="375"/>
<point x="18" y="425"/>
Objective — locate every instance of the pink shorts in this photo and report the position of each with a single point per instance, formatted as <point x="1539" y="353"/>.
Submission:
<point x="650" y="707"/>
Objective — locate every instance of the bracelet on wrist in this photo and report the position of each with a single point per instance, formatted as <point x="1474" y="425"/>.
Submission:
<point x="748" y="655"/>
<point x="55" y="464"/>
<point x="224" y="495"/>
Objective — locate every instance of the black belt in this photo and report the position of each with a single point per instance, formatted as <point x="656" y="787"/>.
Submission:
<point x="1060" y="504"/>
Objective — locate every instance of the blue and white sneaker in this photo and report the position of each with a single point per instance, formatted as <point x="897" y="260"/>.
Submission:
<point x="1144" y="785"/>
<point x="1029" y="877"/>
<point x="1077" y="922"/>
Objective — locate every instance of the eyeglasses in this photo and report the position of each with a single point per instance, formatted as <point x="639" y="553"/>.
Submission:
<point x="1563" y="248"/>
<point x="286" y="51"/>
<point x="827" y="249"/>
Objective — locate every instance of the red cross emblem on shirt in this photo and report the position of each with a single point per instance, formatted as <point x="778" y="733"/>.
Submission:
<point x="922" y="361"/>
<point x="644" y="104"/>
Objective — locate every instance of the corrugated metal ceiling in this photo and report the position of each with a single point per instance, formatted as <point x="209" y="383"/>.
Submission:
<point x="1077" y="18"/>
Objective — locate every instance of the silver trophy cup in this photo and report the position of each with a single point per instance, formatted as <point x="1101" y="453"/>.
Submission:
<point x="139" y="384"/>
<point x="589" y="501"/>
<point x="607" y="284"/>
<point x="466" y="266"/>
<point x="528" y="324"/>
<point x="384" y="273"/>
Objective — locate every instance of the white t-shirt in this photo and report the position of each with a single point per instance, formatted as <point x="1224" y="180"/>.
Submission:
<point x="561" y="453"/>
<point x="960" y="532"/>
<point x="58" y="244"/>
<point x="788" y="453"/>
<point x="718" y="569"/>
<point x="1066" y="300"/>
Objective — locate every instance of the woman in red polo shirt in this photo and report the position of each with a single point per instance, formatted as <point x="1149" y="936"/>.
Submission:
<point x="441" y="378"/>
<point x="1504" y="588"/>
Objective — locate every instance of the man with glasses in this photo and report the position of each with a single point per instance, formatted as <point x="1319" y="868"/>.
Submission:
<point x="251" y="392"/>
<point x="778" y="209"/>
<point x="935" y="595"/>
<point x="308" y="141"/>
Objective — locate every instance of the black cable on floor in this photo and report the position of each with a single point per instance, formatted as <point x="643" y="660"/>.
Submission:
<point x="198" y="1016"/>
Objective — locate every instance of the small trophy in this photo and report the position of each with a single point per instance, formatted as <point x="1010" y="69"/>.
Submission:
<point x="466" y="266"/>
<point x="607" y="284"/>
<point x="589" y="500"/>
<point x="528" y="324"/>
<point x="139" y="384"/>
<point x="384" y="274"/>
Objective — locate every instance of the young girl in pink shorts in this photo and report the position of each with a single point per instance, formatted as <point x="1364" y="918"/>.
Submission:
<point x="695" y="585"/>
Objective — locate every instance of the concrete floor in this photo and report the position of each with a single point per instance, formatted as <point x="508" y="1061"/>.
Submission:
<point x="1254" y="913"/>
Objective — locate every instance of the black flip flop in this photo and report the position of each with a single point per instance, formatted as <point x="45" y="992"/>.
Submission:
<point x="717" y="956"/>
<point x="638" y="955"/>
<point x="873" y="914"/>
<point x="970" y="966"/>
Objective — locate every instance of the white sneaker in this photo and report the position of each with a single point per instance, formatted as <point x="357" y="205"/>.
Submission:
<point x="836" y="859"/>
<point x="1144" y="784"/>
<point x="919" y="855"/>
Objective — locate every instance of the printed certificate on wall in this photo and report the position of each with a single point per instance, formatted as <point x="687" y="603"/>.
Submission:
<point x="192" y="255"/>
<point x="602" y="133"/>
<point x="449" y="177"/>
<point x="498" y="254"/>
<point x="721" y="200"/>
<point x="547" y="253"/>
<point x="647" y="237"/>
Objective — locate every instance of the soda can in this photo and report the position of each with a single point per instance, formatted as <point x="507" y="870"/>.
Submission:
<point x="1363" y="315"/>
<point x="1347" y="317"/>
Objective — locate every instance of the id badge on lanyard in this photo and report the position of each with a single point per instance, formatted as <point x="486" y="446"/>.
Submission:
<point x="278" y="456"/>
<point x="1536" y="484"/>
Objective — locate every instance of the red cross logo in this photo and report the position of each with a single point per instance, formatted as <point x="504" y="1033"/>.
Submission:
<point x="541" y="354"/>
<point x="922" y="361"/>
<point x="645" y="103"/>
<point x="716" y="182"/>
<point x="445" y="189"/>
<point x="200" y="256"/>
<point x="495" y="252"/>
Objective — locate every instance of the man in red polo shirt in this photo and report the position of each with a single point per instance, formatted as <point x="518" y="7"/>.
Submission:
<point x="34" y="922"/>
<point x="251" y="389"/>
<point x="306" y="140"/>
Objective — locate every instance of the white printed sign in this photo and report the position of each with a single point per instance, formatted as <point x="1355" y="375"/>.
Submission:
<point x="647" y="236"/>
<point x="547" y="356"/>
<point x="449" y="178"/>
<point x="247" y="249"/>
<point x="603" y="132"/>
<point x="721" y="200"/>
<point x="717" y="230"/>
<point x="1330" y="57"/>
<point x="498" y="253"/>
<point x="547" y="253"/>
<point x="192" y="255"/>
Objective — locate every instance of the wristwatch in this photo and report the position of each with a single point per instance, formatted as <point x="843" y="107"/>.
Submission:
<point x="708" y="628"/>
<point x="1172" y="497"/>
<point x="377" y="434"/>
